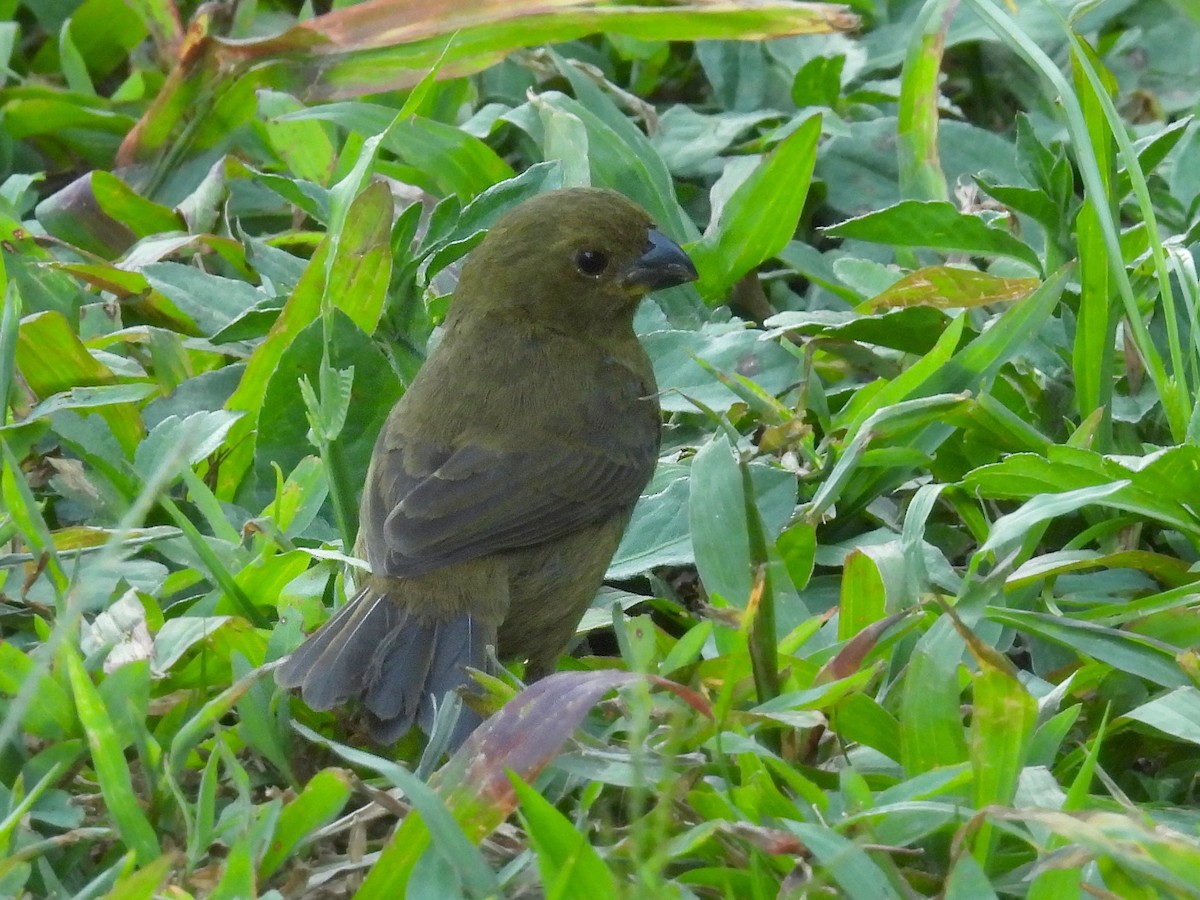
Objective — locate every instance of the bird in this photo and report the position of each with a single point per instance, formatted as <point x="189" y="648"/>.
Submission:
<point x="502" y="480"/>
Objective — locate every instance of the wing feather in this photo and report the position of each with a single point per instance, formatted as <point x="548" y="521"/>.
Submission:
<point x="480" y="501"/>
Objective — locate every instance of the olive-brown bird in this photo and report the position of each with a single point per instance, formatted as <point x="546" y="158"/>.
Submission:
<point x="504" y="477"/>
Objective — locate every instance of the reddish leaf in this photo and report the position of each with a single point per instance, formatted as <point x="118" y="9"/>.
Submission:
<point x="850" y="658"/>
<point x="530" y="731"/>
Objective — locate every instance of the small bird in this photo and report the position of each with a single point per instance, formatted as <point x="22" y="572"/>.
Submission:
<point x="503" y="479"/>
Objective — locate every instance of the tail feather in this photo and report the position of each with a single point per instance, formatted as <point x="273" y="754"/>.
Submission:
<point x="296" y="668"/>
<point x="399" y="671"/>
<point x="340" y="664"/>
<point x="414" y="672"/>
<point x="396" y="665"/>
<point x="465" y="640"/>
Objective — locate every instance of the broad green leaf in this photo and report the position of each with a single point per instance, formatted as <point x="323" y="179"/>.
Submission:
<point x="360" y="272"/>
<point x="90" y="398"/>
<point x="283" y="425"/>
<point x="53" y="717"/>
<point x="101" y="214"/>
<point x="1043" y="508"/>
<point x="237" y="879"/>
<point x="108" y="759"/>
<point x="760" y="218"/>
<point x="717" y="510"/>
<point x="937" y="225"/>
<point x="1123" y="650"/>
<point x="565" y="142"/>
<point x="570" y="867"/>
<point x="859" y="718"/>
<point x="319" y="803"/>
<point x="210" y="301"/>
<point x="73" y="65"/>
<point x="456" y="162"/>
<point x="844" y="862"/>
<point x="143" y="883"/>
<point x="819" y="82"/>
<point x="931" y="728"/>
<point x="728" y="348"/>
<point x="968" y="881"/>
<point x="305" y="147"/>
<point x="1157" y="857"/>
<point x="658" y="533"/>
<point x="52" y="359"/>
<point x="1176" y="713"/>
<point x="1003" y="715"/>
<point x="688" y="140"/>
<point x="174" y="444"/>
<point x="947" y="287"/>
<point x="1152" y="486"/>
<point x="860" y="163"/>
<point x="921" y="175"/>
<point x="914" y="329"/>
<point x="105" y="31"/>
<point x="870" y="575"/>
<point x="620" y="156"/>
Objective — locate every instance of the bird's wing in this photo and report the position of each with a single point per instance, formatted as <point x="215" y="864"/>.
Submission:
<point x="432" y="508"/>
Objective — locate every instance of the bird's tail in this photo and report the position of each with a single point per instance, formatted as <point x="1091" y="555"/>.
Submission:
<point x="397" y="665"/>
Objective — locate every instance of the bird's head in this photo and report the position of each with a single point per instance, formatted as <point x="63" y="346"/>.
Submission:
<point x="574" y="258"/>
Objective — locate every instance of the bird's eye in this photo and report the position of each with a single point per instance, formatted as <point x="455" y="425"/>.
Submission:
<point x="591" y="262"/>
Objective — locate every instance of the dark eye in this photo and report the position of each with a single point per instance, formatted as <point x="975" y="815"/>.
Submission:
<point x="591" y="262"/>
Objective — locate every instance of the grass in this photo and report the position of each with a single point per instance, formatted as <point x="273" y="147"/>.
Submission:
<point x="909" y="608"/>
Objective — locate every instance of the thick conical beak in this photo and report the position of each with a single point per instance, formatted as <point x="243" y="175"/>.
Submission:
<point x="663" y="265"/>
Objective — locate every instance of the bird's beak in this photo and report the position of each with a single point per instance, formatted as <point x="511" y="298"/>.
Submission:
<point x="663" y="265"/>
